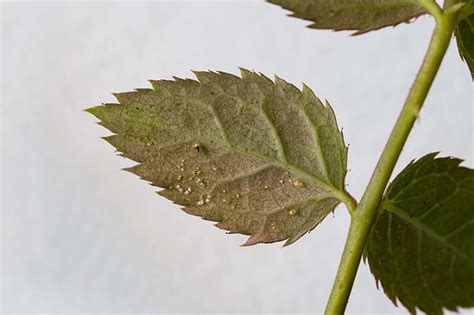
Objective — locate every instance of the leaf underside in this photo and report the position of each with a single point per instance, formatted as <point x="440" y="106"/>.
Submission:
<point x="261" y="158"/>
<point x="421" y="248"/>
<point x="356" y="15"/>
<point x="465" y="39"/>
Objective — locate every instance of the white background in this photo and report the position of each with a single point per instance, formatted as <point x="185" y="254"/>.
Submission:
<point x="79" y="235"/>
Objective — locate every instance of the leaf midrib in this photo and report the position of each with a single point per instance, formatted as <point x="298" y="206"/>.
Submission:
<point x="426" y="229"/>
<point x="379" y="6"/>
<point x="336" y="192"/>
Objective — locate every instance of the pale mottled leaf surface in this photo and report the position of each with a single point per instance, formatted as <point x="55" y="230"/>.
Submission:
<point x="465" y="40"/>
<point x="421" y="248"/>
<point x="356" y="15"/>
<point x="261" y="158"/>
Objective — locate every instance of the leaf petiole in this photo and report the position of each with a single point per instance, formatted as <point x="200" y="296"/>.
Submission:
<point x="432" y="7"/>
<point x="348" y="200"/>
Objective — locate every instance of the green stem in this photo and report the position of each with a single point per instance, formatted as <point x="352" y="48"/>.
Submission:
<point x="364" y="215"/>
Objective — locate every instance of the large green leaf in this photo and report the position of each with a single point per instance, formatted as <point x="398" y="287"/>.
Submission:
<point x="465" y="39"/>
<point x="358" y="15"/>
<point x="262" y="158"/>
<point x="422" y="246"/>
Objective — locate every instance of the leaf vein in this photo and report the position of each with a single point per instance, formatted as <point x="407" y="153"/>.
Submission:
<point x="276" y="136"/>
<point x="319" y="153"/>
<point x="401" y="214"/>
<point x="420" y="269"/>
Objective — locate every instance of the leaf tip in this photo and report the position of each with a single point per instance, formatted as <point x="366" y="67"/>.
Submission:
<point x="202" y="76"/>
<point x="154" y="83"/>
<point x="245" y="73"/>
<point x="288" y="242"/>
<point x="112" y="139"/>
<point x="131" y="169"/>
<point x="278" y="80"/>
<point x="285" y="86"/>
<point x="92" y="110"/>
<point x="252" y="240"/>
<point x="178" y="79"/>
<point x="308" y="92"/>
